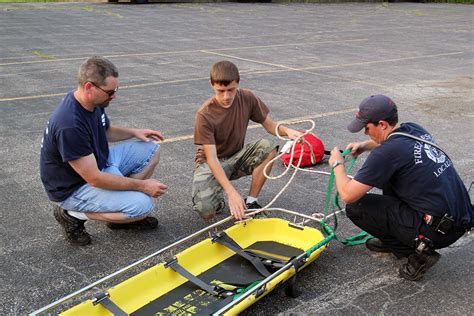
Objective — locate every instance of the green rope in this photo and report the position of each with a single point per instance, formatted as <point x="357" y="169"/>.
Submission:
<point x="330" y="235"/>
<point x="241" y="291"/>
<point x="334" y="203"/>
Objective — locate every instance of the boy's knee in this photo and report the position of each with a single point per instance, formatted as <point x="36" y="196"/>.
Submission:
<point x="205" y="210"/>
<point x="207" y="216"/>
<point x="267" y="145"/>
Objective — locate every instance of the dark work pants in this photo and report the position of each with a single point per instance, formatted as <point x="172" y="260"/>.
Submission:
<point x="395" y="223"/>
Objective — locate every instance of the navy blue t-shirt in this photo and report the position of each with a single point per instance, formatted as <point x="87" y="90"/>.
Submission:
<point x="418" y="174"/>
<point x="72" y="132"/>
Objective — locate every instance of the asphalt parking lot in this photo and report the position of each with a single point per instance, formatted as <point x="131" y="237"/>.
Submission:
<point x="303" y="60"/>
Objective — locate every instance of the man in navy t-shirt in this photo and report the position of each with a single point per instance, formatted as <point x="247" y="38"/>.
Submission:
<point x="83" y="176"/>
<point x="424" y="206"/>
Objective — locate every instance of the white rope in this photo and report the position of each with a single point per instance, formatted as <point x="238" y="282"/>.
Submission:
<point x="300" y="139"/>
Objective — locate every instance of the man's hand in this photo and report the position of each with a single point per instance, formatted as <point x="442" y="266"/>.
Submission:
<point x="237" y="205"/>
<point x="349" y="190"/>
<point x="357" y="148"/>
<point x="335" y="155"/>
<point x="154" y="188"/>
<point x="147" y="134"/>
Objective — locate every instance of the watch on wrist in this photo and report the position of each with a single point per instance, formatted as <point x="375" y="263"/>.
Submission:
<point x="336" y="163"/>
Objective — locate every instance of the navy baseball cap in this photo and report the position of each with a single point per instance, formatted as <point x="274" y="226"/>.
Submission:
<point x="371" y="110"/>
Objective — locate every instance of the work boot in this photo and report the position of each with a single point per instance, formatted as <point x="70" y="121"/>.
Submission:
<point x="376" y="245"/>
<point x="73" y="228"/>
<point x="144" y="224"/>
<point x="418" y="264"/>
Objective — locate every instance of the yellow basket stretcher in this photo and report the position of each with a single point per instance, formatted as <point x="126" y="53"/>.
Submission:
<point x="221" y="275"/>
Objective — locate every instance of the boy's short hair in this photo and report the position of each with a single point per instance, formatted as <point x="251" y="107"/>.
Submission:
<point x="224" y="72"/>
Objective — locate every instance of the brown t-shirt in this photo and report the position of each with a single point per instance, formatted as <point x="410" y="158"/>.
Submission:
<point x="226" y="127"/>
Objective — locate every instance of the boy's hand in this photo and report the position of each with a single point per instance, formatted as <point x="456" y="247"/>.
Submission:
<point x="237" y="206"/>
<point x="292" y="134"/>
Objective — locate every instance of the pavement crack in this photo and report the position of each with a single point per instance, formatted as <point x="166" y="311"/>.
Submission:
<point x="73" y="269"/>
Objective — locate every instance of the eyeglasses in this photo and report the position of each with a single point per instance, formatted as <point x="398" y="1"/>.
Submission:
<point x="109" y="93"/>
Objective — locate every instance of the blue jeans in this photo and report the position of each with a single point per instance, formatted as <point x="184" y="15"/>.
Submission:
<point x="124" y="159"/>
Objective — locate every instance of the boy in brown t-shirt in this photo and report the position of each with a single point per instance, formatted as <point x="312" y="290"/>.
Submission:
<point x="220" y="127"/>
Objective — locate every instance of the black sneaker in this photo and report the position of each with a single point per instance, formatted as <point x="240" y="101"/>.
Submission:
<point x="73" y="228"/>
<point x="221" y="208"/>
<point x="256" y="206"/>
<point x="418" y="264"/>
<point x="144" y="224"/>
<point x="253" y="205"/>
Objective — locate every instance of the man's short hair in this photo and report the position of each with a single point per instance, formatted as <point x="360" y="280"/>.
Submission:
<point x="392" y="121"/>
<point x="224" y="72"/>
<point x="96" y="69"/>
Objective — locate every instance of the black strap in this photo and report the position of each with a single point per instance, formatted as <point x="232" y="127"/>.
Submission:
<point x="328" y="152"/>
<point x="224" y="239"/>
<point x="173" y="264"/>
<point x="104" y="300"/>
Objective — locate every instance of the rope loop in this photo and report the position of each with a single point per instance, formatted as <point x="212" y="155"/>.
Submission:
<point x="300" y="139"/>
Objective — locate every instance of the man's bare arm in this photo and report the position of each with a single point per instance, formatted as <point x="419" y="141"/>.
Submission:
<point x="86" y="167"/>
<point x="117" y="133"/>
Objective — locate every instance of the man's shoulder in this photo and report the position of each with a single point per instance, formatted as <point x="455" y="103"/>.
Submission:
<point x="69" y="114"/>
<point x="62" y="115"/>
<point x="412" y="128"/>
<point x="390" y="147"/>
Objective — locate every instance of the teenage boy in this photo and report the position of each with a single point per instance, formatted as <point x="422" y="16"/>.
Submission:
<point x="220" y="128"/>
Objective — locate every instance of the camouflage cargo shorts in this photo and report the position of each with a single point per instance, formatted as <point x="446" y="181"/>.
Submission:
<point x="208" y="195"/>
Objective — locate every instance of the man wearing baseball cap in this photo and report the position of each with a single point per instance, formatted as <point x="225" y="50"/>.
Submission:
<point x="424" y="206"/>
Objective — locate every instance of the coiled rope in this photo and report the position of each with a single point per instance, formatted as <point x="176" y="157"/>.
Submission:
<point x="331" y="202"/>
